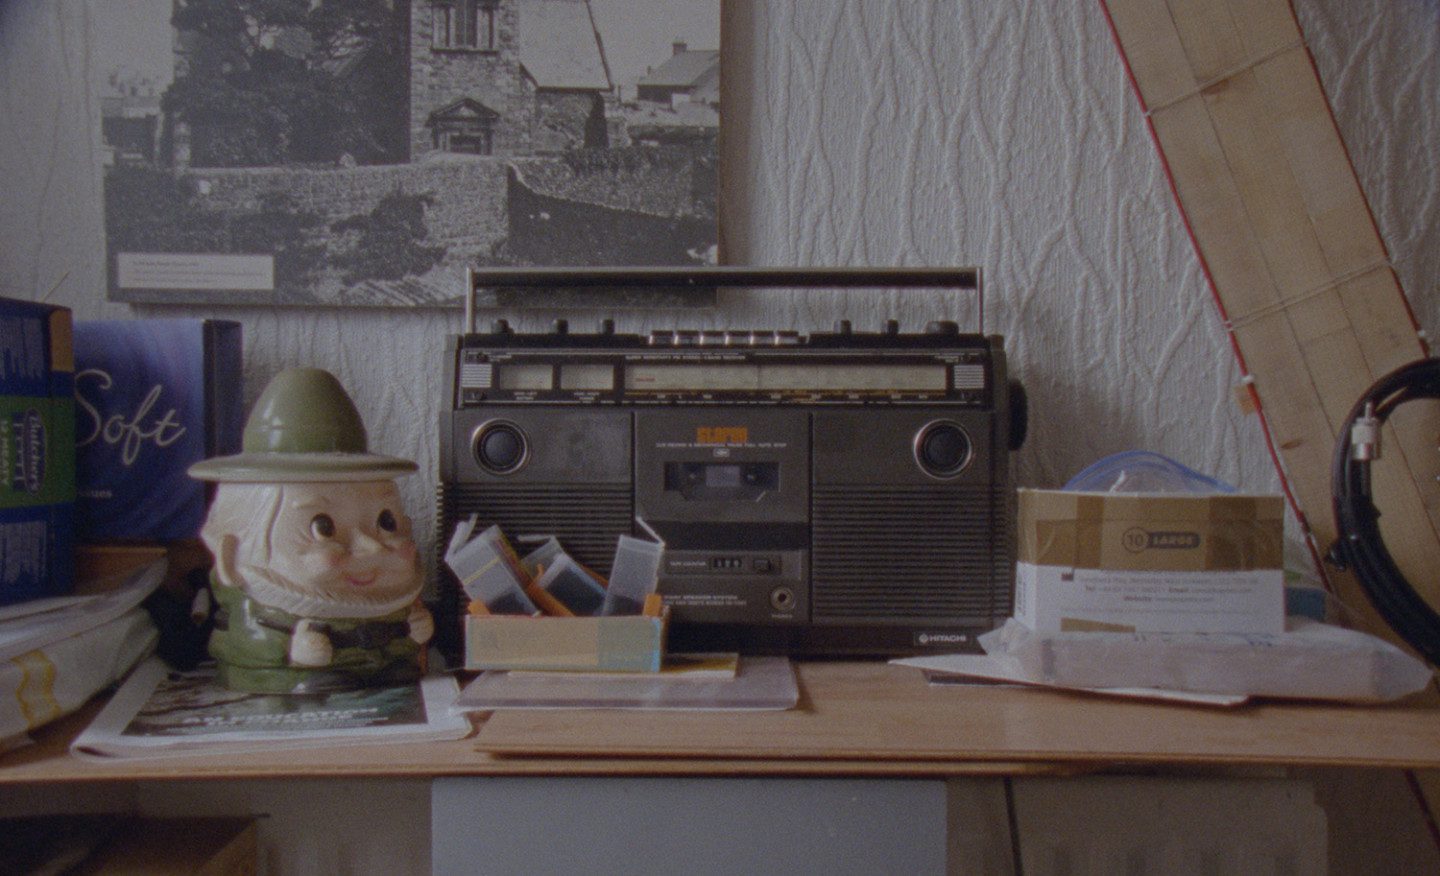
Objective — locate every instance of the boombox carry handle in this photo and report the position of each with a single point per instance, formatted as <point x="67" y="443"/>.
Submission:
<point x="695" y="279"/>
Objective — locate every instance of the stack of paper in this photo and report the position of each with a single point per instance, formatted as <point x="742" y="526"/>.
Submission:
<point x="57" y="653"/>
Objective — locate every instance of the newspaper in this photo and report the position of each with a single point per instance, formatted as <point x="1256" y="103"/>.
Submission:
<point x="160" y="712"/>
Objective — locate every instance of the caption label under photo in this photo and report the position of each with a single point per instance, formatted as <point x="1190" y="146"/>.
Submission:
<point x="139" y="270"/>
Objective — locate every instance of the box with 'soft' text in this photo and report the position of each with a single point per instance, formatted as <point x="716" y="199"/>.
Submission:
<point x="1148" y="562"/>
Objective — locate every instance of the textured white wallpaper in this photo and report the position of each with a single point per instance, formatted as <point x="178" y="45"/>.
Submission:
<point x="918" y="132"/>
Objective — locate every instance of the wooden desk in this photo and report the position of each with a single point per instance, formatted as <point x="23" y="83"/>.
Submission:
<point x="876" y="713"/>
<point x="863" y="758"/>
<point x="854" y="719"/>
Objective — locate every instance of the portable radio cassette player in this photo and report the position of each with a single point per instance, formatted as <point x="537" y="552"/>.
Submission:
<point x="835" y="493"/>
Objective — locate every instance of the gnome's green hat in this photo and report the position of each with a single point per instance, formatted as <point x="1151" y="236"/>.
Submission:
<point x="304" y="427"/>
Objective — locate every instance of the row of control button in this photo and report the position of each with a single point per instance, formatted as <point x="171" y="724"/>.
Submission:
<point x="716" y="338"/>
<point x="719" y="338"/>
<point x="558" y="327"/>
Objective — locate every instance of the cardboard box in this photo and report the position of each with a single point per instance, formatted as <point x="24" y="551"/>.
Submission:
<point x="631" y="643"/>
<point x="153" y="397"/>
<point x="37" y="451"/>
<point x="1135" y="562"/>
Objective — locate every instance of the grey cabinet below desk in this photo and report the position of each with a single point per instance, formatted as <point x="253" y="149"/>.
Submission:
<point x="694" y="826"/>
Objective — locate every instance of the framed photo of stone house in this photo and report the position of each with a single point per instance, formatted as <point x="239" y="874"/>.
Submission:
<point x="365" y="152"/>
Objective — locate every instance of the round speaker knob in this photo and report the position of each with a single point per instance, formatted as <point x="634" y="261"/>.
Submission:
<point x="500" y="447"/>
<point x="943" y="448"/>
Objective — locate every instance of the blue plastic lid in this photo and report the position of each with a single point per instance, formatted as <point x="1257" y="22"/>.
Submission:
<point x="1141" y="471"/>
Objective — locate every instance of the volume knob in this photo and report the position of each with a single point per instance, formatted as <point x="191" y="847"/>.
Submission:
<point x="942" y="327"/>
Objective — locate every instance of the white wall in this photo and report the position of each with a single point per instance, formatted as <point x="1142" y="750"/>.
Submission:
<point x="919" y="132"/>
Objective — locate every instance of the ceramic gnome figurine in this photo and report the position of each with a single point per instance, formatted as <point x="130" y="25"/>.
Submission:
<point x="317" y="578"/>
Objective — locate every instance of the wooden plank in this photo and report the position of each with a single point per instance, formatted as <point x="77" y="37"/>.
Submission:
<point x="1274" y="207"/>
<point x="1214" y="205"/>
<point x="878" y="712"/>
<point x="1265" y="28"/>
<point x="1295" y="260"/>
<point x="1158" y="63"/>
<point x="1213" y="45"/>
<point x="854" y="719"/>
<point x="48" y="761"/>
<point x="1375" y="307"/>
<point x="1316" y="158"/>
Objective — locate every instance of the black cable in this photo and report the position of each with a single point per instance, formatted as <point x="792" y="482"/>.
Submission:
<point x="1012" y="817"/>
<point x="1359" y="546"/>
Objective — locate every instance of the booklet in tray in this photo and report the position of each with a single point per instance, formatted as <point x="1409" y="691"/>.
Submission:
<point x="760" y="683"/>
<point x="160" y="712"/>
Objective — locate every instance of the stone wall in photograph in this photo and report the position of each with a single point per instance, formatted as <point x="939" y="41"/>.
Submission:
<point x="467" y="195"/>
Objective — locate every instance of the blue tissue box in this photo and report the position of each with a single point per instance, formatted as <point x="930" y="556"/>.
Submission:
<point x="152" y="398"/>
<point x="37" y="451"/>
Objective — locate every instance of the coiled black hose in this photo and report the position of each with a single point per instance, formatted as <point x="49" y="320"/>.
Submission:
<point x="1359" y="546"/>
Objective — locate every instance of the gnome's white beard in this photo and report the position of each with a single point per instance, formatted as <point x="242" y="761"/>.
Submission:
<point x="266" y="587"/>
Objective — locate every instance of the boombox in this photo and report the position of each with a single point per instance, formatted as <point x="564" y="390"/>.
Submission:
<point x="836" y="493"/>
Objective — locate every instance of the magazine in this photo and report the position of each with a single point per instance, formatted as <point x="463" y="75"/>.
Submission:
<point x="159" y="712"/>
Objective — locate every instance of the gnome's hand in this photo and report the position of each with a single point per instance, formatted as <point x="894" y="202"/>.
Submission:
<point x="422" y="626"/>
<point x="309" y="646"/>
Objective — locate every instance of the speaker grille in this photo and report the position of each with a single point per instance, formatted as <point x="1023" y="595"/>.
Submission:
<point x="935" y="554"/>
<point x="587" y="521"/>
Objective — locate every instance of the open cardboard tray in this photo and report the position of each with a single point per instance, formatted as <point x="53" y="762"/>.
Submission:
<point x="631" y="643"/>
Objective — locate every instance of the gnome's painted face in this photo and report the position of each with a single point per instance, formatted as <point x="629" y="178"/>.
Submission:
<point x="317" y="549"/>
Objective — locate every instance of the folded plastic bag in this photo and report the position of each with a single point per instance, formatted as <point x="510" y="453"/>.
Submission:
<point x="1310" y="660"/>
<point x="1141" y="471"/>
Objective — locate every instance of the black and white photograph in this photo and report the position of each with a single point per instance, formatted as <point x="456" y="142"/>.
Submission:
<point x="365" y="153"/>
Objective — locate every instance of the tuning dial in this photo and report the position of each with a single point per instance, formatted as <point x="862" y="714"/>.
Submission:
<point x="500" y="447"/>
<point x="942" y="327"/>
<point x="943" y="448"/>
<point x="892" y="326"/>
<point x="560" y="327"/>
<point x="842" y="327"/>
<point x="607" y="326"/>
<point x="500" y="327"/>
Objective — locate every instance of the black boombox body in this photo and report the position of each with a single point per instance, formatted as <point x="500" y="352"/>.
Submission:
<point x="830" y="494"/>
